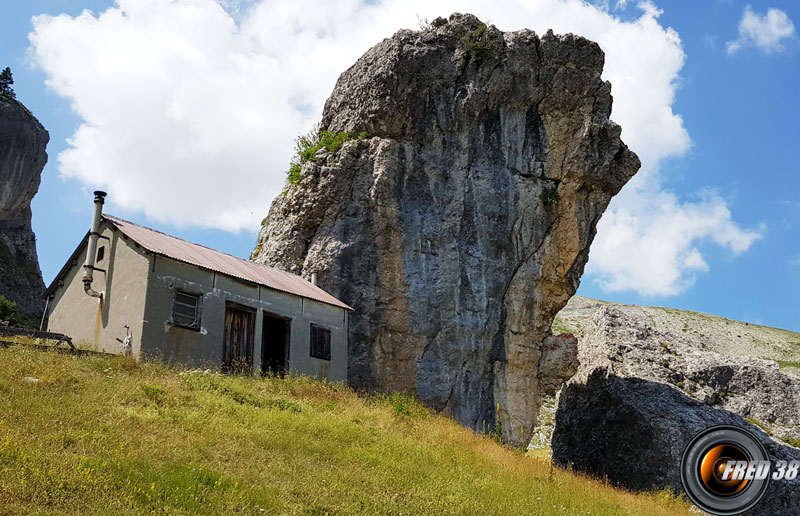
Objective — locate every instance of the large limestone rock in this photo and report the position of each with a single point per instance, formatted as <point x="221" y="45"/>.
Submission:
<point x="22" y="157"/>
<point x="462" y="223"/>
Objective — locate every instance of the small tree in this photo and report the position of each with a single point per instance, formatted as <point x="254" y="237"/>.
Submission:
<point x="8" y="311"/>
<point x="6" y="80"/>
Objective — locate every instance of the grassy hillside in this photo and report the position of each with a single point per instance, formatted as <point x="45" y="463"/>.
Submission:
<point x="105" y="435"/>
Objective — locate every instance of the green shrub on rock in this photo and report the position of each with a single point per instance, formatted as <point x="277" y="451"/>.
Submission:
<point x="481" y="43"/>
<point x="307" y="145"/>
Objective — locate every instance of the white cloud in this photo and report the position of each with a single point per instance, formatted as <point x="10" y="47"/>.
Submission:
<point x="189" y="112"/>
<point x="765" y="32"/>
<point x="649" y="240"/>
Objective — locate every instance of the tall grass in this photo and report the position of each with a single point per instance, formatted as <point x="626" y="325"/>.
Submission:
<point x="106" y="435"/>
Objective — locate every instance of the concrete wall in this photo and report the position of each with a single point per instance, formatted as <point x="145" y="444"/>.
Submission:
<point x="203" y="347"/>
<point x="95" y="324"/>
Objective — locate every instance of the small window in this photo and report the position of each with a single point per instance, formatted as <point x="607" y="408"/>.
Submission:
<point x="320" y="342"/>
<point x="186" y="310"/>
<point x="101" y="253"/>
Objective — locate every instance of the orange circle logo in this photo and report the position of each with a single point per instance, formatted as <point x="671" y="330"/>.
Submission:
<point x="712" y="469"/>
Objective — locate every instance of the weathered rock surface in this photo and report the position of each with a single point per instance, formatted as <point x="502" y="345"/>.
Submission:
<point x="720" y="334"/>
<point x="633" y="431"/>
<point x="22" y="157"/>
<point x="462" y="224"/>
<point x="619" y="339"/>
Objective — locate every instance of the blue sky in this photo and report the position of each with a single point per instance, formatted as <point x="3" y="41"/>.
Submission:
<point x="185" y="111"/>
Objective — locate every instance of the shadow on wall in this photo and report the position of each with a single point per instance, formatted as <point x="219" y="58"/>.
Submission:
<point x="633" y="432"/>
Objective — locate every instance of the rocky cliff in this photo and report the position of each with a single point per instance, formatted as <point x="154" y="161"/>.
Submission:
<point x="22" y="157"/>
<point x="461" y="224"/>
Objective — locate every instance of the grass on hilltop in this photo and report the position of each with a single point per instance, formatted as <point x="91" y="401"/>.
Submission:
<point x="107" y="435"/>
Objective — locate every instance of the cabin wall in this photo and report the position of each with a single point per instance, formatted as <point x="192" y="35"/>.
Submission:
<point x="96" y="324"/>
<point x="202" y="347"/>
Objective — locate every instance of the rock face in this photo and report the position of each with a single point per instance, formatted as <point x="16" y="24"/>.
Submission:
<point x="461" y="225"/>
<point x="633" y="431"/>
<point x="22" y="157"/>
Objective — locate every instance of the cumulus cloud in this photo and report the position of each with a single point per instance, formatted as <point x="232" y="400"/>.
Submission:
<point x="649" y="241"/>
<point x="765" y="32"/>
<point x="190" y="107"/>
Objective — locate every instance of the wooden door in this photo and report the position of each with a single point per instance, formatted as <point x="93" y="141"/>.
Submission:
<point x="237" y="348"/>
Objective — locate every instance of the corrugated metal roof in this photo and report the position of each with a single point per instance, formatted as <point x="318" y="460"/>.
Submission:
<point x="201" y="256"/>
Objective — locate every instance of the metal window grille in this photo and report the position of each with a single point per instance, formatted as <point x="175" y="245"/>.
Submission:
<point x="186" y="310"/>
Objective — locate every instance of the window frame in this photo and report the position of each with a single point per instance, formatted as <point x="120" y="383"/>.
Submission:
<point x="198" y="308"/>
<point x="322" y="355"/>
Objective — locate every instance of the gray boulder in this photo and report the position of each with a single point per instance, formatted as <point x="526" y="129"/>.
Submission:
<point x="461" y="225"/>
<point x="619" y="340"/>
<point x="633" y="431"/>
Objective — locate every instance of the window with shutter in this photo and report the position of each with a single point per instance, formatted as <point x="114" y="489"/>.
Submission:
<point x="320" y="342"/>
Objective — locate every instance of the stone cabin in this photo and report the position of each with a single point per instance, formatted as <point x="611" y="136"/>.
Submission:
<point x="149" y="294"/>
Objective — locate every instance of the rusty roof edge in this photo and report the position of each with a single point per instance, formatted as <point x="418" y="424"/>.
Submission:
<point x="114" y="221"/>
<point x="66" y="267"/>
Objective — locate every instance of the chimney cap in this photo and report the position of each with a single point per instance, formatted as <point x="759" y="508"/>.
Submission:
<point x="99" y="195"/>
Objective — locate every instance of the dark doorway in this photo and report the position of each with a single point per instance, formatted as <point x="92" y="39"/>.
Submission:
<point x="237" y="346"/>
<point x="275" y="345"/>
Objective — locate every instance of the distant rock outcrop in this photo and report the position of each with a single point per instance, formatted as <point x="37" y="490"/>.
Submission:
<point x="711" y="332"/>
<point x="22" y="157"/>
<point x="462" y="223"/>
